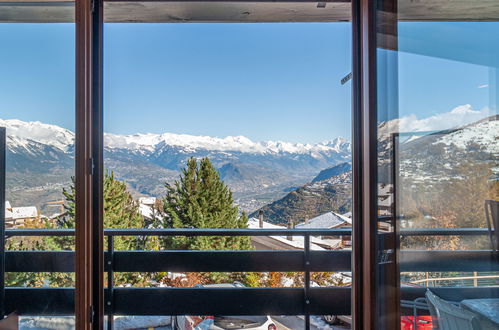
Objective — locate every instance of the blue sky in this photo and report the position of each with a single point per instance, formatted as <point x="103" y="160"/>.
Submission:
<point x="443" y="65"/>
<point x="263" y="81"/>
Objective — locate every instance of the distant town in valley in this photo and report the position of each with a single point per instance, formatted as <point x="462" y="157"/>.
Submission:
<point x="285" y="183"/>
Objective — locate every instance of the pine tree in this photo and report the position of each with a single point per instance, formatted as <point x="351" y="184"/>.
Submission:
<point x="120" y="211"/>
<point x="200" y="199"/>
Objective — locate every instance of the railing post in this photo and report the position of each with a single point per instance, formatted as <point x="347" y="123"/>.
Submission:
<point x="2" y="220"/>
<point x="110" y="282"/>
<point x="306" y="249"/>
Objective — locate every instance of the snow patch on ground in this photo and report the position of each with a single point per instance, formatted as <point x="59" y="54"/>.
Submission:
<point x="68" y="322"/>
<point x="485" y="134"/>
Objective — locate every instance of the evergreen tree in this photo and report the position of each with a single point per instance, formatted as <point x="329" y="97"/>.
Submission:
<point x="120" y="211"/>
<point x="200" y="199"/>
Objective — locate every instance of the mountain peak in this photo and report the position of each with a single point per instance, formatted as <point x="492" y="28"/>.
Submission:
<point x="21" y="133"/>
<point x="230" y="143"/>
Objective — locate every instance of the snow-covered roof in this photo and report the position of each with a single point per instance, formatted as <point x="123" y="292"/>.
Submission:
<point x="348" y="214"/>
<point x="146" y="211"/>
<point x="146" y="207"/>
<point x="298" y="242"/>
<point x="147" y="200"/>
<point x="8" y="210"/>
<point x="254" y="223"/>
<point x="327" y="220"/>
<point x="24" y="212"/>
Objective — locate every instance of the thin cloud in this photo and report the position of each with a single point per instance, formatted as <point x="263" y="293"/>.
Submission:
<point x="459" y="116"/>
<point x="483" y="86"/>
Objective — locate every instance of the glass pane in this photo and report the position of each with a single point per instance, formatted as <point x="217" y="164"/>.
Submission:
<point x="220" y="126"/>
<point x="37" y="102"/>
<point x="438" y="143"/>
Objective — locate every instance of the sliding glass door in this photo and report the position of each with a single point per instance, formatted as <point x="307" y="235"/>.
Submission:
<point x="210" y="175"/>
<point x="437" y="155"/>
<point x="37" y="122"/>
<point x="227" y="156"/>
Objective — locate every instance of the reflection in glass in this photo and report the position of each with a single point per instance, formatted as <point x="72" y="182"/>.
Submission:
<point x="437" y="169"/>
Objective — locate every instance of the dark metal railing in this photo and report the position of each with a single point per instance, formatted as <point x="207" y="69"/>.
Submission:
<point x="236" y="301"/>
<point x="185" y="232"/>
<point x="247" y="232"/>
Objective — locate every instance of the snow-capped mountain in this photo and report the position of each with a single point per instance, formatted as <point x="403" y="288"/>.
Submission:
<point x="484" y="133"/>
<point x="40" y="159"/>
<point x="23" y="133"/>
<point x="435" y="156"/>
<point x="191" y="143"/>
<point x="251" y="169"/>
<point x="38" y="151"/>
<point x="425" y="159"/>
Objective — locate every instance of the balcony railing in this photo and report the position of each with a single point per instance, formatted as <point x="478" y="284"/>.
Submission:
<point x="232" y="301"/>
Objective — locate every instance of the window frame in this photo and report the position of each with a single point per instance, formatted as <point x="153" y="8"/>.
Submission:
<point x="89" y="162"/>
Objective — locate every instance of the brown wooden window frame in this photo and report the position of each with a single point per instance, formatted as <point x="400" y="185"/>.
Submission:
<point x="89" y="306"/>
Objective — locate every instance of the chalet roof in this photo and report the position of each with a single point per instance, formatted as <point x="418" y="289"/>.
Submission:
<point x="327" y="221"/>
<point x="146" y="211"/>
<point x="8" y="210"/>
<point x="147" y="200"/>
<point x="24" y="212"/>
<point x="297" y="242"/>
<point x="254" y="223"/>
<point x="146" y="207"/>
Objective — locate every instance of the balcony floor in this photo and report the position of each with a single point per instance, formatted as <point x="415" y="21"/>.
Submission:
<point x="67" y="322"/>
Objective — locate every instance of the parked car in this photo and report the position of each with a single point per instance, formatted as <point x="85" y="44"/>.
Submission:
<point x="185" y="322"/>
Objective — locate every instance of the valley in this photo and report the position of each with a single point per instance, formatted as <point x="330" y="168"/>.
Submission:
<point x="288" y="181"/>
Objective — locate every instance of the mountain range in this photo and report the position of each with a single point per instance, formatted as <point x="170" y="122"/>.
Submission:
<point x="40" y="162"/>
<point x="425" y="159"/>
